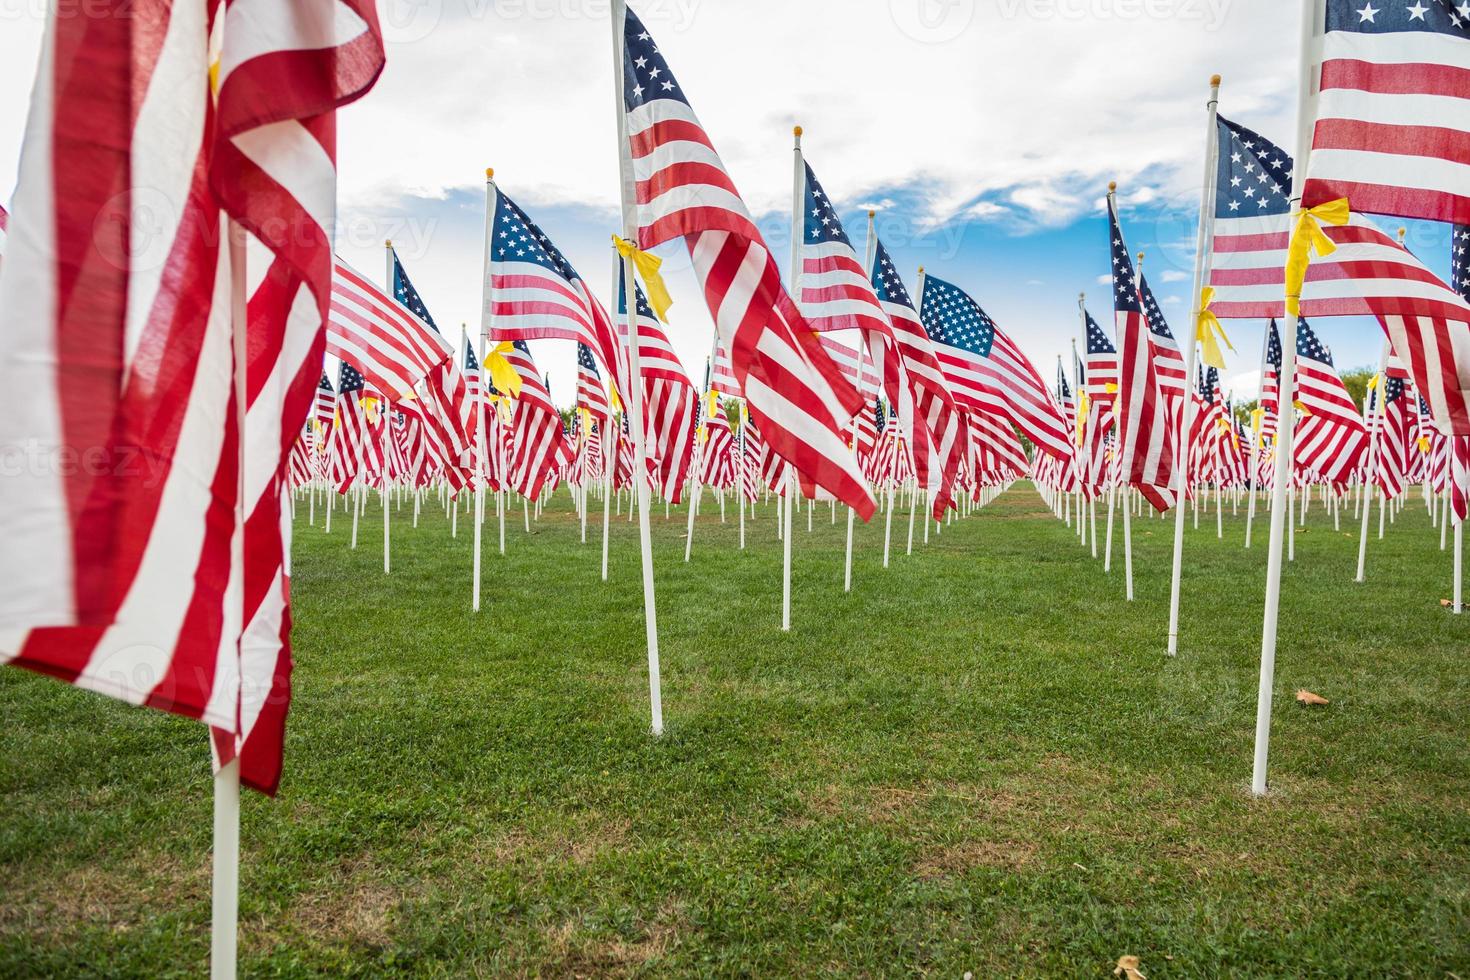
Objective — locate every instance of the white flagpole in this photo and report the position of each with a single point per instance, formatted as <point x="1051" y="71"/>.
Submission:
<point x="387" y="426"/>
<point x="1375" y="414"/>
<point x="607" y="486"/>
<point x="1202" y="248"/>
<point x="1459" y="606"/>
<point x="740" y="470"/>
<point x="634" y="395"/>
<point x="798" y="185"/>
<point x="481" y="422"/>
<point x="225" y="871"/>
<point x="1311" y="11"/>
<point x="870" y="248"/>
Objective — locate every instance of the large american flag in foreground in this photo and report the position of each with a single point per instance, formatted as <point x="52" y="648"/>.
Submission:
<point x="793" y="391"/>
<point x="161" y="576"/>
<point x="1393" y="116"/>
<point x="1145" y="432"/>
<point x="1369" y="274"/>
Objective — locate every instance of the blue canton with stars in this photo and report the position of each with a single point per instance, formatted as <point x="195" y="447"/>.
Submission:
<point x="1393" y="390"/>
<point x="646" y="74"/>
<point x="1156" y="321"/>
<point x="404" y="292"/>
<point x="517" y="239"/>
<point x="1460" y="260"/>
<point x="641" y="301"/>
<point x="1273" y="346"/>
<point x="887" y="283"/>
<point x="584" y="360"/>
<point x="1398" y="16"/>
<point x="349" y="379"/>
<point x="470" y="363"/>
<point x="819" y="219"/>
<point x="1097" y="341"/>
<point x="1308" y="346"/>
<point x="1064" y="390"/>
<point x="1125" y="284"/>
<point x="325" y="384"/>
<point x="954" y="319"/>
<point x="1079" y="367"/>
<point x="1253" y="176"/>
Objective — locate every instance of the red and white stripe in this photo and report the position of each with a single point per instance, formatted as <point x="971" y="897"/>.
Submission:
<point x="1392" y="133"/>
<point x="539" y="446"/>
<point x="391" y="346"/>
<point x="145" y="584"/>
<point x="794" y="392"/>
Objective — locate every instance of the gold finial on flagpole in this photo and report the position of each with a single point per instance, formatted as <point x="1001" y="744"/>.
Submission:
<point x="871" y="212"/>
<point x="1214" y="81"/>
<point x="387" y="243"/>
<point x="921" y="270"/>
<point x="1112" y="186"/>
<point x="489" y="173"/>
<point x="796" y="131"/>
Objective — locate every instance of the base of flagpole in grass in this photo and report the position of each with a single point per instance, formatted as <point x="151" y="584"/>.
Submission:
<point x="223" y="922"/>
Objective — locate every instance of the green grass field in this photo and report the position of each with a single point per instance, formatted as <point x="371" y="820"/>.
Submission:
<point x="980" y="760"/>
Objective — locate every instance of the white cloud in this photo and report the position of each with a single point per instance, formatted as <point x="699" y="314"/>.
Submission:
<point x="1174" y="275"/>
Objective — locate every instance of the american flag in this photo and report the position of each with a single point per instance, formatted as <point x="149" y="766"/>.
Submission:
<point x="1168" y="360"/>
<point x="539" y="447"/>
<point x="1391" y="117"/>
<point x="794" y="392"/>
<point x="940" y="441"/>
<point x="590" y="393"/>
<point x="1271" y="383"/>
<point x="1145" y="433"/>
<point x="998" y="451"/>
<point x="1330" y="439"/>
<point x="866" y="427"/>
<point x="533" y="293"/>
<point x="722" y="375"/>
<point x="326" y="401"/>
<point x="752" y="453"/>
<point x="1459" y="448"/>
<point x="1102" y="364"/>
<point x="345" y="456"/>
<point x="1369" y="274"/>
<point x="986" y="370"/>
<point x="1101" y="388"/>
<point x="1391" y="439"/>
<point x="835" y="293"/>
<point x="170" y="589"/>
<point x="669" y="398"/>
<point x="392" y="347"/>
<point x="717" y="468"/>
<point x="448" y="404"/>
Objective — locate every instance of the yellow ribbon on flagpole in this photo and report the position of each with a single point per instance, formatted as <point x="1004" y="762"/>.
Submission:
<point x="1374" y="381"/>
<point x="1082" y="409"/>
<point x="1210" y="333"/>
<point x="1308" y="237"/>
<point x="647" y="265"/>
<point x="1258" y="416"/>
<point x="502" y="374"/>
<point x="1301" y="409"/>
<point x="1423" y="442"/>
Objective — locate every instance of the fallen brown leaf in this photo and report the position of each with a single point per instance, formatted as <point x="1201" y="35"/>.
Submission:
<point x="1445" y="603"/>
<point x="1127" y="968"/>
<point x="1306" y="697"/>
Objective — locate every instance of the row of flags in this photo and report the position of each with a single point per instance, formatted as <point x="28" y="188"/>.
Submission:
<point x="949" y="393"/>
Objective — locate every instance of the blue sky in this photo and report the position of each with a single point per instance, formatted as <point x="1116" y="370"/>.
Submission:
<point x="984" y="131"/>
